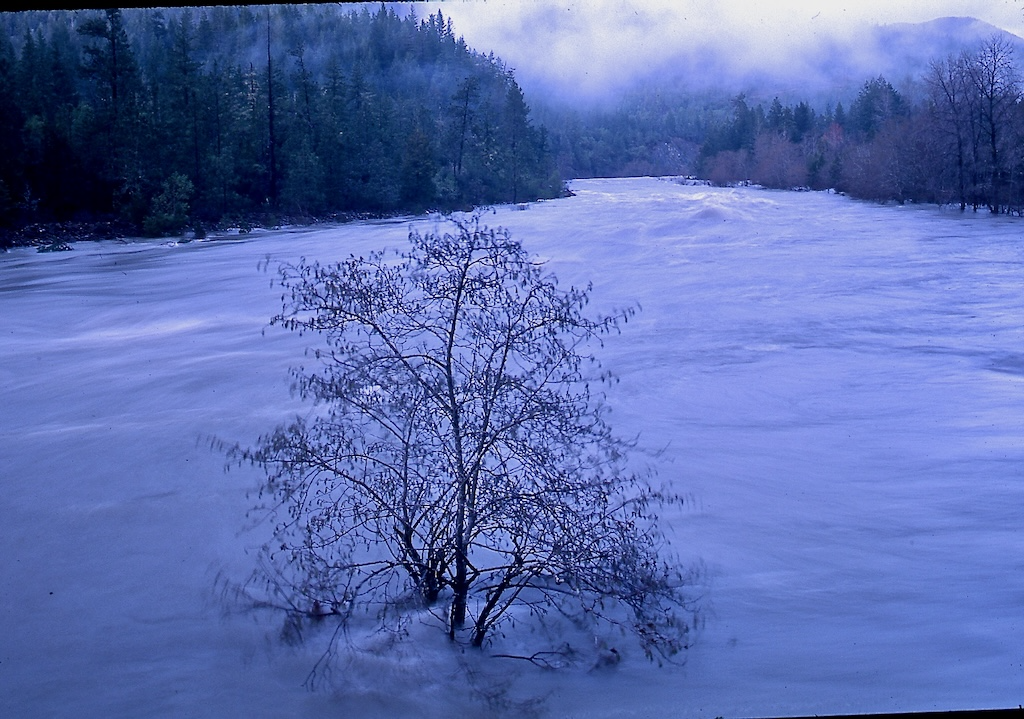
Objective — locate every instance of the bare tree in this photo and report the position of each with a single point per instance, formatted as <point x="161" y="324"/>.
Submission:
<point x="459" y="458"/>
<point x="996" y="86"/>
<point x="949" y="88"/>
<point x="778" y="162"/>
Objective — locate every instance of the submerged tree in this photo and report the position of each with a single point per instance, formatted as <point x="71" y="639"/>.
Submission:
<point x="460" y="460"/>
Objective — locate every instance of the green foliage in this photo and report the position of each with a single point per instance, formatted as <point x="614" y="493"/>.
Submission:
<point x="305" y="110"/>
<point x="418" y="166"/>
<point x="301" y="110"/>
<point x="170" y="210"/>
<point x="877" y="102"/>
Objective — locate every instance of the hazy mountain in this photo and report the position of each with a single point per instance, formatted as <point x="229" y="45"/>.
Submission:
<point x="823" y="66"/>
<point x="903" y="51"/>
<point x="836" y="66"/>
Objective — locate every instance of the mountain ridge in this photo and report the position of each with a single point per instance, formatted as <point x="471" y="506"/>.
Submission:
<point x="826" y="67"/>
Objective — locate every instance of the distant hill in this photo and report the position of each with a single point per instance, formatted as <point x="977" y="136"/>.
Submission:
<point x="915" y="43"/>
<point x="836" y="67"/>
<point x="905" y="49"/>
<point x="827" y="67"/>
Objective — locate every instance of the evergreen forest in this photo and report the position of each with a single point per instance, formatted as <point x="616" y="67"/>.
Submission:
<point x="158" y="120"/>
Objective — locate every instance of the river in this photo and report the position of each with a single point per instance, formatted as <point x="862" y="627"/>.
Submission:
<point x="839" y="386"/>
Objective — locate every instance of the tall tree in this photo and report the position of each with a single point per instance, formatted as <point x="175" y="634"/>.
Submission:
<point x="11" y="121"/>
<point x="995" y="82"/>
<point x="949" y="85"/>
<point x="272" y="138"/>
<point x="185" y="82"/>
<point x="876" y="102"/>
<point x="463" y="108"/>
<point x="521" y="144"/>
<point x="111" y="65"/>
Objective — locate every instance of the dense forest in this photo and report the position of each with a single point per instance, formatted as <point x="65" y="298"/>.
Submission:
<point x="162" y="119"/>
<point x="651" y="130"/>
<point x="158" y="120"/>
<point x="961" y="143"/>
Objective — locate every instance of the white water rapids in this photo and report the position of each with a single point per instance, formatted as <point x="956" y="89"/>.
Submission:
<point x="839" y="385"/>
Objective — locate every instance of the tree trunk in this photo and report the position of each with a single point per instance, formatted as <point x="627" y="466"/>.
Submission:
<point x="270" y="121"/>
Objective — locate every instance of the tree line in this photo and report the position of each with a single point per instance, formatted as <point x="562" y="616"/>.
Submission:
<point x="163" y="119"/>
<point x="169" y="118"/>
<point x="959" y="143"/>
<point x="650" y="131"/>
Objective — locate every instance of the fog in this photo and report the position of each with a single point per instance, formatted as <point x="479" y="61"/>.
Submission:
<point x="589" y="51"/>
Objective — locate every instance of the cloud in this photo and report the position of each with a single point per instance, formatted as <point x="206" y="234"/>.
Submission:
<point x="585" y="49"/>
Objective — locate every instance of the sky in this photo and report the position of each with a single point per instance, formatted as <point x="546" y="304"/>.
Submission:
<point x="588" y="46"/>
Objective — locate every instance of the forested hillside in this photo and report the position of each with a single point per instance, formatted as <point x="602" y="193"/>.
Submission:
<point x="158" y="120"/>
<point x="649" y="131"/>
<point x="166" y="119"/>
<point x="961" y="142"/>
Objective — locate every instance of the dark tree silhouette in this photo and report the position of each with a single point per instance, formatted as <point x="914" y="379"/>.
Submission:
<point x="296" y="111"/>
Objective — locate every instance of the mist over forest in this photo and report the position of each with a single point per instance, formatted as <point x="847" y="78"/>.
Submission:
<point x="159" y="121"/>
<point x="166" y="119"/>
